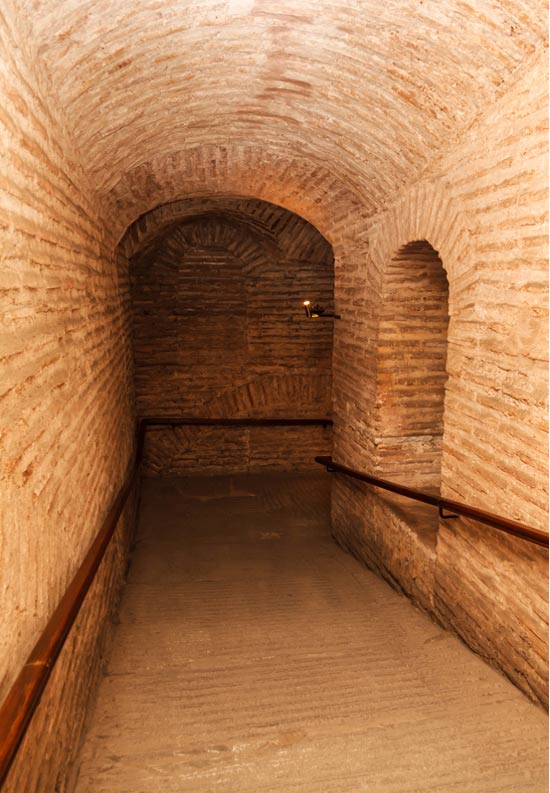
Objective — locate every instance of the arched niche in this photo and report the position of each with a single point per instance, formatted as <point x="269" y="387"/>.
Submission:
<point x="412" y="355"/>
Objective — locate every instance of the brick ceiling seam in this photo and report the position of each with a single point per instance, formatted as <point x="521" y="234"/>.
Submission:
<point x="342" y="199"/>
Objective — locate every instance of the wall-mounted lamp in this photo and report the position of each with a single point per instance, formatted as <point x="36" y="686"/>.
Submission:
<point x="318" y="312"/>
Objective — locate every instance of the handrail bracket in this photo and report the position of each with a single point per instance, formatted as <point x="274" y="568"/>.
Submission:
<point x="442" y="515"/>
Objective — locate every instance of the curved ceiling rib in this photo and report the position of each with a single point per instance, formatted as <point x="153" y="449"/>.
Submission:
<point x="280" y="230"/>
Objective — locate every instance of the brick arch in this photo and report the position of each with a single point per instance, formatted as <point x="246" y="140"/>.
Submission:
<point x="426" y="212"/>
<point x="411" y="376"/>
<point x="286" y="231"/>
<point x="403" y="84"/>
<point x="266" y="324"/>
<point x="299" y="185"/>
<point x="164" y="219"/>
<point x="229" y="233"/>
<point x="153" y="190"/>
<point x="424" y="237"/>
<point x="262" y="246"/>
<point x="309" y="392"/>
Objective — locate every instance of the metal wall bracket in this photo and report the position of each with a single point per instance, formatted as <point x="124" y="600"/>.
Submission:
<point x="446" y="517"/>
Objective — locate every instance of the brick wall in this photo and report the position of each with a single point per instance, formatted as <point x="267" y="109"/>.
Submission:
<point x="411" y="374"/>
<point x="220" y="332"/>
<point x="402" y="123"/>
<point x="66" y="430"/>
<point x="484" y="209"/>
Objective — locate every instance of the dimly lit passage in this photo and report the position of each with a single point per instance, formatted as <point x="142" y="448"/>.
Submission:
<point x="237" y="236"/>
<point x="216" y="288"/>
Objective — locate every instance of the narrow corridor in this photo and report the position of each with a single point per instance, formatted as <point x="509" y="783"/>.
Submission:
<point x="253" y="654"/>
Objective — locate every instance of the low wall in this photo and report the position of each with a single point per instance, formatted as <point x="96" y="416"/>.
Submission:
<point x="180" y="451"/>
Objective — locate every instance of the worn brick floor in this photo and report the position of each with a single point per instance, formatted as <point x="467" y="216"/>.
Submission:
<point x="253" y="654"/>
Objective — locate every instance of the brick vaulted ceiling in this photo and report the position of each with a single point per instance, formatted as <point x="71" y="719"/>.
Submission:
<point x="358" y="97"/>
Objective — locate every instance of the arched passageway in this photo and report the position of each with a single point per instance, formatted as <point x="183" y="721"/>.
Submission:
<point x="219" y="331"/>
<point x="142" y="141"/>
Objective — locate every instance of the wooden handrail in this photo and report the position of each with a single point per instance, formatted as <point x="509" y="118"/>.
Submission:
<point x="25" y="694"/>
<point x="22" y="700"/>
<point x="512" y="527"/>
<point x="176" y="421"/>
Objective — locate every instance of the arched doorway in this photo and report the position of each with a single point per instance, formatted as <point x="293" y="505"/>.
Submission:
<point x="219" y="332"/>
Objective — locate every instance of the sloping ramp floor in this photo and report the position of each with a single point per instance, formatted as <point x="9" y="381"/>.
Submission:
<point x="254" y="655"/>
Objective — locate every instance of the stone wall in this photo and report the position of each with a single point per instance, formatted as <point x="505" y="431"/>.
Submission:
<point x="66" y="428"/>
<point x="484" y="209"/>
<point x="219" y="331"/>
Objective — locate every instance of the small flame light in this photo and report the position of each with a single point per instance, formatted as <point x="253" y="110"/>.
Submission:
<point x="318" y="312"/>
